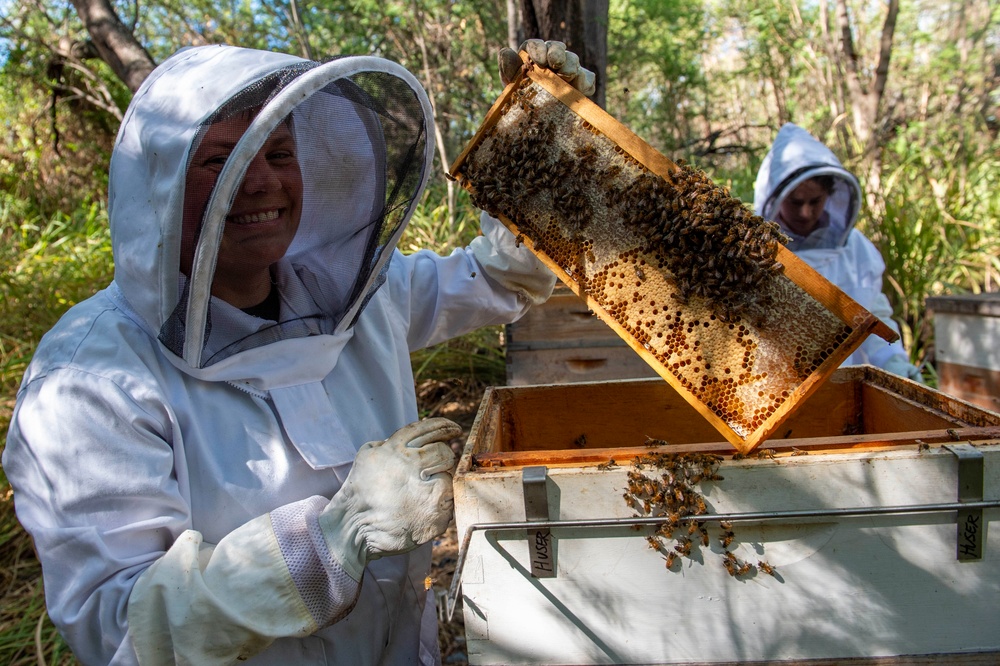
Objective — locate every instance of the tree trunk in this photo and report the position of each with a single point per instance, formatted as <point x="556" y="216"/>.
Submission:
<point x="116" y="45"/>
<point x="581" y="24"/>
<point x="866" y="100"/>
<point x="515" y="31"/>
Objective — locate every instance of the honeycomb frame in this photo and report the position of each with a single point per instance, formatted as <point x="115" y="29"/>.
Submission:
<point x="744" y="339"/>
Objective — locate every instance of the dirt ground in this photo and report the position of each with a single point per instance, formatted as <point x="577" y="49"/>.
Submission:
<point x="457" y="400"/>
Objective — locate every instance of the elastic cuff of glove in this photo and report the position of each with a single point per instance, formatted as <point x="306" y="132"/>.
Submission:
<point x="343" y="539"/>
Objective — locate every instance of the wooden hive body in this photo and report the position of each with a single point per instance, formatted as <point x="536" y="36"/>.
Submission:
<point x="878" y="588"/>
<point x="719" y="308"/>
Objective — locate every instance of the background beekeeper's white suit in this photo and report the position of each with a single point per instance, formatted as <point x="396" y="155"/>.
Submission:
<point x="174" y="457"/>
<point x="836" y="250"/>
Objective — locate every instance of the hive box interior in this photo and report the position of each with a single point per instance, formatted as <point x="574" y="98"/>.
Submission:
<point x="857" y="407"/>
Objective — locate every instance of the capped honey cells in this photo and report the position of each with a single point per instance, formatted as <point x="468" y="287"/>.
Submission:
<point x="673" y="263"/>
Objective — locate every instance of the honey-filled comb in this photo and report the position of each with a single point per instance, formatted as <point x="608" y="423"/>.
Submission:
<point x="700" y="287"/>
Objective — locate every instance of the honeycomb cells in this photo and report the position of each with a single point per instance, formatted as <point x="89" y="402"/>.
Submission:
<point x="677" y="264"/>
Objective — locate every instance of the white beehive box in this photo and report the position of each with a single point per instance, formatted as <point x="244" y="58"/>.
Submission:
<point x="967" y="346"/>
<point x="874" y="584"/>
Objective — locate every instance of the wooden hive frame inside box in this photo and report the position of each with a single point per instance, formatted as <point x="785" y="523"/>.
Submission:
<point x="699" y="287"/>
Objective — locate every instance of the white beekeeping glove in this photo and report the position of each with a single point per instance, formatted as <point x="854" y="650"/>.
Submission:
<point x="550" y="55"/>
<point x="397" y="496"/>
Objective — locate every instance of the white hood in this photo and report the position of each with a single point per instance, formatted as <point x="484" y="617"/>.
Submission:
<point x="797" y="156"/>
<point x="354" y="207"/>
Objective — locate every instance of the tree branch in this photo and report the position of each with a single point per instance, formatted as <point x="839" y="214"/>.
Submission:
<point x="118" y="47"/>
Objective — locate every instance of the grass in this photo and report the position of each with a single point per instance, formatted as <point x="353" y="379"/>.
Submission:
<point x="47" y="266"/>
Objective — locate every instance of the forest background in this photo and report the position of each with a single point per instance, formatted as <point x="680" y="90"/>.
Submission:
<point x="906" y="93"/>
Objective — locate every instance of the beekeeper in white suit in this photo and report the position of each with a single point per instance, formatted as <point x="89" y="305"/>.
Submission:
<point x="804" y="188"/>
<point x="219" y="455"/>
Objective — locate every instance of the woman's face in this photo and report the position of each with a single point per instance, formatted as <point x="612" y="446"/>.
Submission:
<point x="265" y="213"/>
<point x="801" y="209"/>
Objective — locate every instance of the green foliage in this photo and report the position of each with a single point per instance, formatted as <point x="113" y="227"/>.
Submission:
<point x="941" y="231"/>
<point x="655" y="69"/>
<point x="47" y="266"/>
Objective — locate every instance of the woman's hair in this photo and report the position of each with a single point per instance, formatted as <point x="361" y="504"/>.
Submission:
<point x="826" y="181"/>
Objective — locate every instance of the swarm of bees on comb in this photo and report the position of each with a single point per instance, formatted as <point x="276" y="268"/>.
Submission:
<point x="711" y="244"/>
<point x="680" y="268"/>
<point x="670" y="492"/>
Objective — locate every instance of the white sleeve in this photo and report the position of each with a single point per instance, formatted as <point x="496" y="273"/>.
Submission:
<point x="874" y="350"/>
<point x="270" y="578"/>
<point x="96" y="486"/>
<point x="511" y="263"/>
<point x="493" y="281"/>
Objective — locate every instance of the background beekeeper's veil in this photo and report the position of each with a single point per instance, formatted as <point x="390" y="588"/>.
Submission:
<point x="795" y="157"/>
<point x="360" y="127"/>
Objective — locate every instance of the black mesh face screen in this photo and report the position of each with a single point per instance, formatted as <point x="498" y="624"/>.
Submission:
<point x="311" y="226"/>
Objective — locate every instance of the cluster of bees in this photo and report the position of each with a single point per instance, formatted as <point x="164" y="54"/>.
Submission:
<point x="669" y="492"/>
<point x="681" y="267"/>
<point x="710" y="243"/>
<point x="714" y="247"/>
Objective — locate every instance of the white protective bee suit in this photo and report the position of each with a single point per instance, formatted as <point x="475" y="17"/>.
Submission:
<point x="171" y="455"/>
<point x="835" y="249"/>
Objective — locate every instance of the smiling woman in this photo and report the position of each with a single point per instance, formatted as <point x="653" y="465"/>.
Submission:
<point x="263" y="218"/>
<point x="219" y="457"/>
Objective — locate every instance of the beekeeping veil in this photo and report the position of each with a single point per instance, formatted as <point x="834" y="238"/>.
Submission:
<point x="795" y="157"/>
<point x="360" y="126"/>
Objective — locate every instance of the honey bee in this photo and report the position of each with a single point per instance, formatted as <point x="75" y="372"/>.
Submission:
<point x="745" y="568"/>
<point x="766" y="568"/>
<point x="654" y="543"/>
<point x="738" y="456"/>
<point x="766" y="453"/>
<point x="730" y="567"/>
<point x="726" y="539"/>
<point x="611" y="464"/>
<point x="670" y="558"/>
<point x="799" y="452"/>
<point x="428" y="582"/>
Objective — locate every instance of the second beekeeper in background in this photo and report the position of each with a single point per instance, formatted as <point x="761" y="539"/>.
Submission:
<point x="804" y="188"/>
<point x="219" y="455"/>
